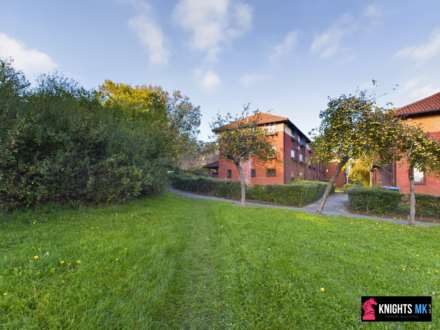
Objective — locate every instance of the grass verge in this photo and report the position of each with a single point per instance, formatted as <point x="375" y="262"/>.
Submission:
<point x="171" y="262"/>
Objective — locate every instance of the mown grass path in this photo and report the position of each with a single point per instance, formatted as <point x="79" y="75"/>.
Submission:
<point x="175" y="263"/>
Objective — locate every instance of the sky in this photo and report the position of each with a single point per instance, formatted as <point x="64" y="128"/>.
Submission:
<point x="284" y="57"/>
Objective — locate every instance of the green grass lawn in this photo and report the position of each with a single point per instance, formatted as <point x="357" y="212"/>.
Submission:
<point x="171" y="262"/>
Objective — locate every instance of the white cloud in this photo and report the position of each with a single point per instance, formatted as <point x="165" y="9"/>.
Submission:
<point x="31" y="61"/>
<point x="373" y="12"/>
<point x="208" y="80"/>
<point x="332" y="41"/>
<point x="251" y="79"/>
<point x="285" y="46"/>
<point x="423" y="52"/>
<point x="242" y="16"/>
<point x="150" y="34"/>
<point x="212" y="23"/>
<point x="329" y="42"/>
<point x="415" y="89"/>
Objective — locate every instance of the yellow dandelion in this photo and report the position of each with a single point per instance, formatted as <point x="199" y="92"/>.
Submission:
<point x="322" y="289"/>
<point x="35" y="257"/>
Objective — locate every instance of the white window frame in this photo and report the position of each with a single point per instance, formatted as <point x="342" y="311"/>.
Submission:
<point x="419" y="176"/>
<point x="271" y="130"/>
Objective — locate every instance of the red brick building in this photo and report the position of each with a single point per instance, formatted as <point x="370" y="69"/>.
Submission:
<point x="426" y="114"/>
<point x="330" y="171"/>
<point x="291" y="160"/>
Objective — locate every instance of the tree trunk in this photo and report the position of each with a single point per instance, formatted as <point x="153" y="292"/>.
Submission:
<point x="242" y="184"/>
<point x="371" y="177"/>
<point x="412" y="196"/>
<point x="330" y="185"/>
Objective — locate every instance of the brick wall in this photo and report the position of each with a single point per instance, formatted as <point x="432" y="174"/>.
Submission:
<point x="330" y="172"/>
<point x="431" y="186"/>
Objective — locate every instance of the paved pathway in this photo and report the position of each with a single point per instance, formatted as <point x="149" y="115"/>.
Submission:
<point x="336" y="206"/>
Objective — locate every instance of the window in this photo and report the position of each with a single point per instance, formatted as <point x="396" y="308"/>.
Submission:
<point x="271" y="130"/>
<point x="292" y="154"/>
<point x="419" y="176"/>
<point x="273" y="153"/>
<point x="301" y="157"/>
<point x="271" y="172"/>
<point x="229" y="174"/>
<point x="253" y="173"/>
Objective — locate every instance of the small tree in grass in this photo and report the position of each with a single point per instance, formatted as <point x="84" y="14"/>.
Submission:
<point x="421" y="153"/>
<point x="352" y="127"/>
<point x="240" y="138"/>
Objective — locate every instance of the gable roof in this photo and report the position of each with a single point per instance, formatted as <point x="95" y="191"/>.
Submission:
<point x="263" y="118"/>
<point x="428" y="105"/>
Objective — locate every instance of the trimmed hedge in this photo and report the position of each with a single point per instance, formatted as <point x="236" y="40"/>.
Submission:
<point x="374" y="200"/>
<point x="428" y="206"/>
<point x="349" y="186"/>
<point x="298" y="193"/>
<point x="205" y="185"/>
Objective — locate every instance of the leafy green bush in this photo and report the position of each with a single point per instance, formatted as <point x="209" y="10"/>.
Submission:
<point x="58" y="143"/>
<point x="428" y="206"/>
<point x="374" y="200"/>
<point x="349" y="186"/>
<point x="294" y="194"/>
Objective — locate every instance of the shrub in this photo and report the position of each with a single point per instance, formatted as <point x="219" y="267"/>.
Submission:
<point x="294" y="194"/>
<point x="349" y="186"/>
<point x="58" y="143"/>
<point x="374" y="200"/>
<point x="428" y="206"/>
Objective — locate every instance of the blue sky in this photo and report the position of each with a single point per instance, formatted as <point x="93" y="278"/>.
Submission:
<point x="286" y="57"/>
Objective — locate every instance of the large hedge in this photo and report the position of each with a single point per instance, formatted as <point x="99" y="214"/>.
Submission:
<point x="374" y="200"/>
<point x="58" y="143"/>
<point x="382" y="201"/>
<point x="294" y="194"/>
<point x="427" y="206"/>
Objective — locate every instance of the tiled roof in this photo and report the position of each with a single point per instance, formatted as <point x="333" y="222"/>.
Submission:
<point x="427" y="105"/>
<point x="263" y="118"/>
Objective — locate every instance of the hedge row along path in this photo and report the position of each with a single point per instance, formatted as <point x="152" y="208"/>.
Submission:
<point x="336" y="206"/>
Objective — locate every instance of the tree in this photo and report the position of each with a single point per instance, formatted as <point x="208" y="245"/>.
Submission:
<point x="352" y="127"/>
<point x="240" y="138"/>
<point x="184" y="119"/>
<point x="172" y="114"/>
<point x="421" y="153"/>
<point x="141" y="102"/>
<point x="13" y="87"/>
<point x="359" y="173"/>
